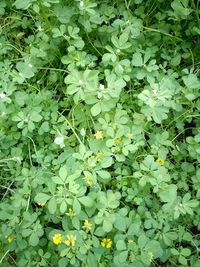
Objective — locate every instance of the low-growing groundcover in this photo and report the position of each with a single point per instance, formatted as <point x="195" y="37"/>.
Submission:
<point x="99" y="133"/>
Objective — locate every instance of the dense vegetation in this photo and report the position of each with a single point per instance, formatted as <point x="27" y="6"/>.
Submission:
<point x="99" y="133"/>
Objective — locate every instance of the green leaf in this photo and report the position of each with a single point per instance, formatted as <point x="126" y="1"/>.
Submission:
<point x="52" y="205"/>
<point x="63" y="13"/>
<point x="137" y="60"/>
<point x="41" y="198"/>
<point x="35" y="116"/>
<point x="33" y="239"/>
<point x="134" y="228"/>
<point x="76" y="222"/>
<point x="169" y="193"/>
<point x="63" y="262"/>
<point x="121" y="245"/>
<point x="96" y="109"/>
<point x="182" y="260"/>
<point x="107" y="226"/>
<point x="142" y="241"/>
<point x="123" y="256"/>
<point x="57" y="180"/>
<point x="174" y="251"/>
<point x="155" y="247"/>
<point x="86" y="201"/>
<point x="191" y="81"/>
<point x="63" y="206"/>
<point x="91" y="260"/>
<point x="185" y="252"/>
<point x="22" y="4"/>
<point x="76" y="206"/>
<point x="24" y="69"/>
<point x="120" y="223"/>
<point x="63" y="173"/>
<point x="104" y="174"/>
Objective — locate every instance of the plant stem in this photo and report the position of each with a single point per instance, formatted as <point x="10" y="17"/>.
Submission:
<point x="167" y="34"/>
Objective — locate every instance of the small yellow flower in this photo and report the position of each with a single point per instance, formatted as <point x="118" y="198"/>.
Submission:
<point x="161" y="161"/>
<point x="87" y="225"/>
<point x="117" y="139"/>
<point x="10" y="239"/>
<point x="99" y="155"/>
<point x="53" y="169"/>
<point x="71" y="240"/>
<point x="42" y="204"/>
<point x="99" y="135"/>
<point x="150" y="254"/>
<point x="106" y="242"/>
<point x="88" y="180"/>
<point x="70" y="213"/>
<point x="57" y="239"/>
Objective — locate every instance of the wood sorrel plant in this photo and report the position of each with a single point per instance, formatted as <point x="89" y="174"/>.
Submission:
<point x="99" y="133"/>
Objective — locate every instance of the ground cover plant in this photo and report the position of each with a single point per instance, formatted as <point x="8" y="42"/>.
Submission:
<point x="99" y="133"/>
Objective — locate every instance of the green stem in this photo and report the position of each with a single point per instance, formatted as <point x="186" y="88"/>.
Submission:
<point x="167" y="34"/>
<point x="71" y="128"/>
<point x="7" y="188"/>
<point x="192" y="57"/>
<point x="93" y="45"/>
<point x="4" y="256"/>
<point x="181" y="133"/>
<point x="54" y="69"/>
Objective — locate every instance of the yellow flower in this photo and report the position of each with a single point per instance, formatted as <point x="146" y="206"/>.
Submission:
<point x="161" y="161"/>
<point x="53" y="169"/>
<point x="70" y="213"/>
<point x="10" y="239"/>
<point x="99" y="135"/>
<point x="57" y="239"/>
<point x="117" y="139"/>
<point x="87" y="225"/>
<point x="106" y="242"/>
<point x="99" y="155"/>
<point x="150" y="254"/>
<point x="42" y="204"/>
<point x="71" y="240"/>
<point x="88" y="180"/>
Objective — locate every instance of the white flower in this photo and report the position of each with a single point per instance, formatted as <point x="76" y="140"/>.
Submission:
<point x="101" y="87"/>
<point x="3" y="113"/>
<point x="80" y="82"/>
<point x="25" y="120"/>
<point x="155" y="92"/>
<point x="81" y="3"/>
<point x="21" y="74"/>
<point x="118" y="51"/>
<point x="2" y="95"/>
<point x="30" y="65"/>
<point x="59" y="140"/>
<point x="82" y="132"/>
<point x="39" y="28"/>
